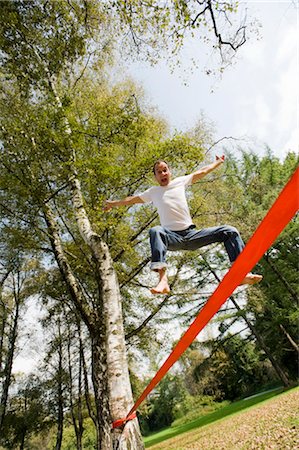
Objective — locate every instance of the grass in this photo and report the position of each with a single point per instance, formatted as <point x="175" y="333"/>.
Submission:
<point x="269" y="424"/>
<point x="226" y="411"/>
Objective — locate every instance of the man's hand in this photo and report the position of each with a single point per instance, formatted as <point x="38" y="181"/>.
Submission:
<point x="207" y="169"/>
<point x="107" y="205"/>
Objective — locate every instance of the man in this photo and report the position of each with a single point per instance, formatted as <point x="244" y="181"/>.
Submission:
<point x="177" y="231"/>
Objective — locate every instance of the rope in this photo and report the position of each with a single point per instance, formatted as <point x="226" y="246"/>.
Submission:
<point x="277" y="218"/>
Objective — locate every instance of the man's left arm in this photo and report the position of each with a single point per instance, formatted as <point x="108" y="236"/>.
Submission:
<point x="207" y="169"/>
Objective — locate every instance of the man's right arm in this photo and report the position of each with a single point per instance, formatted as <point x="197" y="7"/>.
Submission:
<point x="125" y="202"/>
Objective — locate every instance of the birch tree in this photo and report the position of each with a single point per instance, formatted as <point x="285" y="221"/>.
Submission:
<point x="14" y="293"/>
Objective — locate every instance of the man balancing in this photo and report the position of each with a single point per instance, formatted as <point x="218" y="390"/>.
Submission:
<point x="177" y="231"/>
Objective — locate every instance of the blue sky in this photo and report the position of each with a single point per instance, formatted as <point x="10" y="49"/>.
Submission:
<point x="256" y="99"/>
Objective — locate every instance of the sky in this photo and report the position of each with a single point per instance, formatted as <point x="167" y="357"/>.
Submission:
<point x="256" y="99"/>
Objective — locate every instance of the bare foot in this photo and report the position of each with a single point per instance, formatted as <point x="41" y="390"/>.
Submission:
<point x="161" y="288"/>
<point x="252" y="278"/>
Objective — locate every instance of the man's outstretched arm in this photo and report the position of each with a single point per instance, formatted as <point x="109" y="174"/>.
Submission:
<point x="207" y="169"/>
<point x="124" y="202"/>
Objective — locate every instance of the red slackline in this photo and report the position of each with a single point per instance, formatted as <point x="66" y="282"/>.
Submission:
<point x="277" y="218"/>
<point x="120" y="422"/>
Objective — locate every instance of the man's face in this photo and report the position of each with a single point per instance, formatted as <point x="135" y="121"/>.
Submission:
<point x="162" y="174"/>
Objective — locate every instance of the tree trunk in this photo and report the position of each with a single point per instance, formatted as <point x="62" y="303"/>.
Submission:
<point x="94" y="323"/>
<point x="282" y="278"/>
<point x="65" y="269"/>
<point x="121" y="397"/>
<point x="289" y="338"/>
<point x="78" y="427"/>
<point x="101" y="392"/>
<point x="9" y="359"/>
<point x="60" y="416"/>
<point x="281" y="374"/>
<point x="3" y="317"/>
<point x="120" y="393"/>
<point x="80" y="414"/>
<point x="86" y="387"/>
<point x="22" y="442"/>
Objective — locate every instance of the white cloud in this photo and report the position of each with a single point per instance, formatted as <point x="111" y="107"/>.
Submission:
<point x="287" y="90"/>
<point x="262" y="113"/>
<point x="288" y="45"/>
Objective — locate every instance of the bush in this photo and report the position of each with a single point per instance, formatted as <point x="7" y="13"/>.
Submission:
<point x="171" y="392"/>
<point x="194" y="407"/>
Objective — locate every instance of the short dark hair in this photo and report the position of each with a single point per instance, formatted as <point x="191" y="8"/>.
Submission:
<point x="158" y="162"/>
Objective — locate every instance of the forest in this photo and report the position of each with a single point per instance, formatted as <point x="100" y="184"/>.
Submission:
<point x="73" y="134"/>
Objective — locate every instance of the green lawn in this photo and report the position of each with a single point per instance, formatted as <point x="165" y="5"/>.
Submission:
<point x="209" y="418"/>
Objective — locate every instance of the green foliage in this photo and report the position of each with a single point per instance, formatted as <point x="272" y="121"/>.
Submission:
<point x="258" y="180"/>
<point x="170" y="393"/>
<point x="235" y="368"/>
<point x="274" y="302"/>
<point x="69" y="437"/>
<point x="194" y="407"/>
<point x="158" y="28"/>
<point x="41" y="39"/>
<point x="26" y="414"/>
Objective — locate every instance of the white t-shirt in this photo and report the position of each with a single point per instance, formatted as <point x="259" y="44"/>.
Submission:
<point x="171" y="203"/>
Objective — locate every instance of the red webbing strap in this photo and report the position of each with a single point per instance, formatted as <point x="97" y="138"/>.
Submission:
<point x="118" y="423"/>
<point x="282" y="211"/>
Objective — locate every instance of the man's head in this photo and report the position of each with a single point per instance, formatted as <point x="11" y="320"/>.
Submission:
<point x="162" y="172"/>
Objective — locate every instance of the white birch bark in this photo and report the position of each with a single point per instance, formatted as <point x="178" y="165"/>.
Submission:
<point x="120" y="393"/>
<point x="63" y="264"/>
<point x="97" y="335"/>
